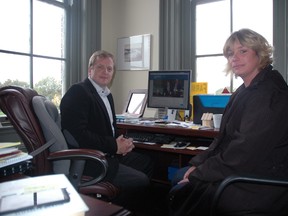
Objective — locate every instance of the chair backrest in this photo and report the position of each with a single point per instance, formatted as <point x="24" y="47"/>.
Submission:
<point x="16" y="103"/>
<point x="50" y="121"/>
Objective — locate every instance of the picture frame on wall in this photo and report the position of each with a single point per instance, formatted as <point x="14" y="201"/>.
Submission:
<point x="133" y="53"/>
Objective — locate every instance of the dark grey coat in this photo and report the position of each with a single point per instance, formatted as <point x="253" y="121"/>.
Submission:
<point x="253" y="140"/>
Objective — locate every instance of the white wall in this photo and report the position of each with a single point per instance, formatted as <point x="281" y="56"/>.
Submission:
<point x="124" y="18"/>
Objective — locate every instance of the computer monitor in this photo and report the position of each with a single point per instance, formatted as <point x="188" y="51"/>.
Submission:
<point x="208" y="104"/>
<point x="169" y="89"/>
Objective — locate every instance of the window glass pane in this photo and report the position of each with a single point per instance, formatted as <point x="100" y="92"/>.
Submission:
<point x="14" y="25"/>
<point x="47" y="78"/>
<point x="237" y="81"/>
<point x="213" y="30"/>
<point x="212" y="27"/>
<point x="261" y="22"/>
<point x="214" y="75"/>
<point x="14" y="70"/>
<point x="48" y="31"/>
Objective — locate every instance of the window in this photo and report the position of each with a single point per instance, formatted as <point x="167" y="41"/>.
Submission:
<point x="32" y="45"/>
<point x="215" y="20"/>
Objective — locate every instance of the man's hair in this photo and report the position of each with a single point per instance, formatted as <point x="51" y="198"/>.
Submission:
<point x="100" y="54"/>
<point x="252" y="40"/>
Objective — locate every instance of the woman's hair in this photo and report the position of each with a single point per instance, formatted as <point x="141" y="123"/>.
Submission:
<point x="100" y="54"/>
<point x="252" y="40"/>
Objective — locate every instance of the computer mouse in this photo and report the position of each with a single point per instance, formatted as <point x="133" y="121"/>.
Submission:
<point x="180" y="144"/>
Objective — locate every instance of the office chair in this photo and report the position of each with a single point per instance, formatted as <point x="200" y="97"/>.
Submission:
<point x="52" y="156"/>
<point x="243" y="179"/>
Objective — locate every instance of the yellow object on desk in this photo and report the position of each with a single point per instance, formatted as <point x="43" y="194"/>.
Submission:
<point x="9" y="144"/>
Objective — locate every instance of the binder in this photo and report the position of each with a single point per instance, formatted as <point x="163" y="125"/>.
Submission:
<point x="20" y="167"/>
<point x="15" y="159"/>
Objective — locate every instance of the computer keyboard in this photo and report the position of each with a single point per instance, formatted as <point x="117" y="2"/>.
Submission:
<point x="182" y="139"/>
<point x="140" y="137"/>
<point x="163" y="138"/>
<point x="150" y="137"/>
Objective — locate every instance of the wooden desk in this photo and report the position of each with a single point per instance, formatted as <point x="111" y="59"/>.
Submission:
<point x="124" y="127"/>
<point x="165" y="159"/>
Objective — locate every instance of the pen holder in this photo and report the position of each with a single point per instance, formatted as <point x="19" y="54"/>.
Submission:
<point x="207" y="120"/>
<point x="207" y="123"/>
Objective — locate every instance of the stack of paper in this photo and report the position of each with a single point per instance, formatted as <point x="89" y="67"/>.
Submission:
<point x="10" y="154"/>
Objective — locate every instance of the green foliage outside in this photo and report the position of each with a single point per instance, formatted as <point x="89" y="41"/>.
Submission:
<point x="49" y="87"/>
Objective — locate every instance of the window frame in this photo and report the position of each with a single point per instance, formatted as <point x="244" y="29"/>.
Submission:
<point x="30" y="54"/>
<point x="178" y="52"/>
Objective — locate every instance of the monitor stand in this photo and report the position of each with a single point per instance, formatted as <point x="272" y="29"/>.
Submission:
<point x="171" y="115"/>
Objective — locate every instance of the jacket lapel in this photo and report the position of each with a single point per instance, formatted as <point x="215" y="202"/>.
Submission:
<point x="97" y="98"/>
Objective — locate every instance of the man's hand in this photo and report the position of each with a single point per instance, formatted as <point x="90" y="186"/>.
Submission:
<point x="124" y="145"/>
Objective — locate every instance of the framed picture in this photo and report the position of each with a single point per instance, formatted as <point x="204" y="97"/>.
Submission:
<point x="133" y="53"/>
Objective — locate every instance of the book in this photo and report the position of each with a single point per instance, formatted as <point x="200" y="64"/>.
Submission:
<point x="9" y="144"/>
<point x="13" y="159"/>
<point x="7" y="152"/>
<point x="9" y="155"/>
<point x="42" y="195"/>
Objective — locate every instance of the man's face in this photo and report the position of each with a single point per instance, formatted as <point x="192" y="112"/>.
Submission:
<point x="102" y="71"/>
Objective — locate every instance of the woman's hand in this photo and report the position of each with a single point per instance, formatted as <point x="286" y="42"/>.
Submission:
<point x="186" y="175"/>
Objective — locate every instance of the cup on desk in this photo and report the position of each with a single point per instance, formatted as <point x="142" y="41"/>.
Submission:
<point x="217" y="120"/>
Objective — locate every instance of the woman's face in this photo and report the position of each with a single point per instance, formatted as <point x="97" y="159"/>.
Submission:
<point x="244" y="62"/>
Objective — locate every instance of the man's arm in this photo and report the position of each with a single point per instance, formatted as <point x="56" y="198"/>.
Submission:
<point x="84" y="119"/>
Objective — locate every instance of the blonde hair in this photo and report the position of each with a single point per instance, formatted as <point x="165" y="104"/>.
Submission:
<point x="252" y="40"/>
<point x="100" y="54"/>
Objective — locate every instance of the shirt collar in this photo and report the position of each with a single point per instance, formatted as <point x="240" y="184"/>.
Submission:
<point x="101" y="91"/>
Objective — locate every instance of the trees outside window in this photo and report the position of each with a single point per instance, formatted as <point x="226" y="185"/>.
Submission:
<point x="33" y="45"/>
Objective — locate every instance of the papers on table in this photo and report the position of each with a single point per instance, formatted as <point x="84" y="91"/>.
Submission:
<point x="54" y="195"/>
<point x="9" y="154"/>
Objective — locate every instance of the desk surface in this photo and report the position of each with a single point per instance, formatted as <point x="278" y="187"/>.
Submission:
<point x="207" y="135"/>
<point x="157" y="147"/>
<point x="164" y="158"/>
<point x="175" y="130"/>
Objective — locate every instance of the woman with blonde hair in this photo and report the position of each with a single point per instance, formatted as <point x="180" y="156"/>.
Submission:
<point x="253" y="139"/>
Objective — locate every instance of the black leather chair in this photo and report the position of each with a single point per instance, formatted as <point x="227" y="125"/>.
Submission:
<point x="243" y="179"/>
<point x="44" y="140"/>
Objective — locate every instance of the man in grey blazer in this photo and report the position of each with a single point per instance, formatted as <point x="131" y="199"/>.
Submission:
<point x="87" y="113"/>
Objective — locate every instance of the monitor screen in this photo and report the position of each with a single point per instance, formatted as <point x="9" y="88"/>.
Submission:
<point x="169" y="89"/>
<point x="136" y="102"/>
<point x="208" y="104"/>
